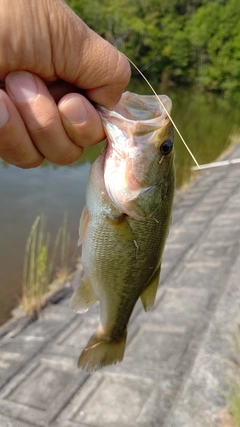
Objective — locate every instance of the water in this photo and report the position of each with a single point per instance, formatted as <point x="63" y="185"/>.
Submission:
<point x="24" y="194"/>
<point x="205" y="122"/>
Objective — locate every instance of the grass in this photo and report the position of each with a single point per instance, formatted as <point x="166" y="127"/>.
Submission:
<point x="43" y="267"/>
<point x="64" y="241"/>
<point x="234" y="404"/>
<point x="234" y="396"/>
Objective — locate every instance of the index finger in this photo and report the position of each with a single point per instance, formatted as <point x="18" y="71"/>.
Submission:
<point x="91" y="63"/>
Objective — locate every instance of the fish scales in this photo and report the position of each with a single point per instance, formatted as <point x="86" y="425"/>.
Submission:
<point x="124" y="226"/>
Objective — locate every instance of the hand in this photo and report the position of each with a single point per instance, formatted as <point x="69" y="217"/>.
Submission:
<point x="48" y="55"/>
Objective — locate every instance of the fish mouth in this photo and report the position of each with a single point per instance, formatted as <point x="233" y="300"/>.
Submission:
<point x="143" y="107"/>
<point x="135" y="118"/>
<point x="140" y="113"/>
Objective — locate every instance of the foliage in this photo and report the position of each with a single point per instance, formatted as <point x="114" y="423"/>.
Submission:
<point x="40" y="263"/>
<point x="214" y="32"/>
<point x="234" y="404"/>
<point x="233" y="395"/>
<point x="181" y="41"/>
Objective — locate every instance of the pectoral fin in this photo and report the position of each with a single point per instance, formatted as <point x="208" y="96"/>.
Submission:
<point x="84" y="297"/>
<point x="149" y="294"/>
<point x="84" y="220"/>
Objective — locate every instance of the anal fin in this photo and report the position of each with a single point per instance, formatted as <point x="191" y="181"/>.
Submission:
<point x="149" y="294"/>
<point x="84" y="297"/>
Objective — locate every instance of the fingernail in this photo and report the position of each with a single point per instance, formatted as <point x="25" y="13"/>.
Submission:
<point x="22" y="86"/>
<point x="73" y="110"/>
<point x="4" y="114"/>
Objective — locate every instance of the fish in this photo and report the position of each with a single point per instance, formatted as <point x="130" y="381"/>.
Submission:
<point x="125" y="222"/>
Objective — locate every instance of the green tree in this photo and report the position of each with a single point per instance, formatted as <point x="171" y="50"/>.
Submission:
<point x="214" y="33"/>
<point x="177" y="41"/>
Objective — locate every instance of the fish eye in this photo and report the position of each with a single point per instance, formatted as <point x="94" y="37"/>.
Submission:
<point x="166" y="147"/>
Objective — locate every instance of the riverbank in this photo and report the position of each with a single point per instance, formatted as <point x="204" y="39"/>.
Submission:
<point x="181" y="358"/>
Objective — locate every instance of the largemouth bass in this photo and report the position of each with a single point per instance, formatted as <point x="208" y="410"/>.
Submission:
<point x="125" y="223"/>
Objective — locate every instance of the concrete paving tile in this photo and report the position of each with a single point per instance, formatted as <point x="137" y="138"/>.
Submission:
<point x="196" y="274"/>
<point x="146" y="368"/>
<point x="223" y="233"/>
<point x="65" y="302"/>
<point x="40" y="387"/>
<point x="158" y="404"/>
<point x="22" y="414"/>
<point x="14" y="354"/>
<point x="162" y="346"/>
<point x="44" y="329"/>
<point x="79" y="334"/>
<point x="208" y="251"/>
<point x="234" y="199"/>
<point x="205" y="395"/>
<point x="189" y="200"/>
<point x="165" y="270"/>
<point x="206" y="209"/>
<point x="108" y="400"/>
<point x="67" y="424"/>
<point x="40" y="390"/>
<point x="13" y="422"/>
<point x="54" y="312"/>
<point x="196" y="220"/>
<point x="217" y="365"/>
<point x="182" y="236"/>
<point x="51" y="350"/>
<point x="227" y="219"/>
<point x="173" y="251"/>
<point x="181" y="306"/>
<point x="49" y="324"/>
<point x="74" y="338"/>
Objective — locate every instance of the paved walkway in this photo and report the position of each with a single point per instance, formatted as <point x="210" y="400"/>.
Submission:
<point x="180" y="358"/>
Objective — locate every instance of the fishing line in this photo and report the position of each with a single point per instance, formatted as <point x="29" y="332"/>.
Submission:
<point x="175" y="126"/>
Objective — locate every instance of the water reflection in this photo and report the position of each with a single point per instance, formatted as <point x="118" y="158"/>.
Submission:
<point x="205" y="122"/>
<point x="24" y="194"/>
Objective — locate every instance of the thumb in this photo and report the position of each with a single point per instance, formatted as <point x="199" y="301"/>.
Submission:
<point x="85" y="59"/>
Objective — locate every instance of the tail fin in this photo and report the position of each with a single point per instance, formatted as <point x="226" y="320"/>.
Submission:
<point x="102" y="351"/>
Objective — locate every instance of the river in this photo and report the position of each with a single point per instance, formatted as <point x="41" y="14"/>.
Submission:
<point x="206" y="121"/>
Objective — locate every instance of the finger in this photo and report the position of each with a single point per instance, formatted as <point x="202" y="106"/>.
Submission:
<point x="60" y="88"/>
<point x="16" y="146"/>
<point x="41" y="117"/>
<point x="87" y="60"/>
<point x="81" y="120"/>
<point x="115" y="77"/>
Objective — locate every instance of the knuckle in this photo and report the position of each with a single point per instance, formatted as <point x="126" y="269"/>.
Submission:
<point x="69" y="157"/>
<point x="123" y="70"/>
<point x="44" y="125"/>
<point x="33" y="163"/>
<point x="21" y="155"/>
